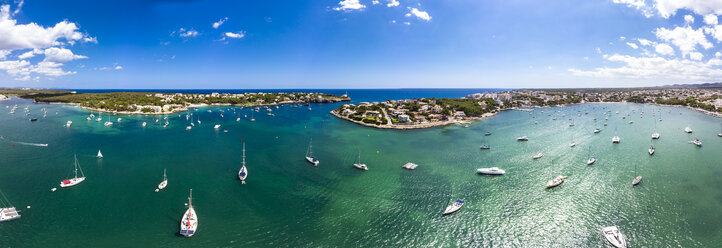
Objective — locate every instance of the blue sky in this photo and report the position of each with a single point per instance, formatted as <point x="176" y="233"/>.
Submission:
<point x="358" y="44"/>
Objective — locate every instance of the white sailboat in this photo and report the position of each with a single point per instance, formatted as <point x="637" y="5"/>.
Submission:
<point x="243" y="172"/>
<point x="75" y="180"/>
<point x="100" y="155"/>
<point x="217" y="126"/>
<point x="614" y="236"/>
<point x="651" y="150"/>
<point x="144" y="124"/>
<point x="637" y="179"/>
<point x="309" y="155"/>
<point x="697" y="142"/>
<point x="189" y="222"/>
<point x="163" y="183"/>
<point x="7" y="211"/>
<point x="556" y="181"/>
<point x="655" y="135"/>
<point x="359" y="165"/>
<point x="538" y="156"/>
<point x="592" y="159"/>
<point x="491" y="171"/>
<point x="453" y="207"/>
<point x="615" y="139"/>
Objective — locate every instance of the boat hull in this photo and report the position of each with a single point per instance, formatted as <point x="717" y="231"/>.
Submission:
<point x="360" y="166"/>
<point x="189" y="223"/>
<point x="313" y="161"/>
<point x="73" y="182"/>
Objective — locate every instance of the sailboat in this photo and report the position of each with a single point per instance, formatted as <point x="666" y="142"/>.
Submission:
<point x="454" y="207"/>
<point x="687" y="130"/>
<point x="359" y="165"/>
<point x="614" y="236"/>
<point x="571" y="124"/>
<point x="651" y="150"/>
<point x="163" y="183"/>
<point x="637" y="179"/>
<point x="75" y="180"/>
<point x="243" y="172"/>
<point x="592" y="159"/>
<point x="556" y="181"/>
<point x="189" y="222"/>
<point x="309" y="155"/>
<point x="100" y="155"/>
<point x="252" y="119"/>
<point x="573" y="144"/>
<point x="720" y="132"/>
<point x="655" y="135"/>
<point x="7" y="211"/>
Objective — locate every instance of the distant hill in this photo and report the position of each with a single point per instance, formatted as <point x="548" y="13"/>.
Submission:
<point x="705" y="85"/>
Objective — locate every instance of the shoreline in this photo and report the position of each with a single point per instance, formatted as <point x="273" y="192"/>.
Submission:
<point x="415" y="126"/>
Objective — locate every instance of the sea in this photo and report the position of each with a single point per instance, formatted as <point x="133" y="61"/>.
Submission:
<point x="287" y="202"/>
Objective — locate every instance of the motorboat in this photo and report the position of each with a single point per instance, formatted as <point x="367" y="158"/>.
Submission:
<point x="217" y="126"/>
<point x="189" y="128"/>
<point x="614" y="236"/>
<point x="591" y="160"/>
<point x="487" y="133"/>
<point x="615" y="139"/>
<point x="655" y="135"/>
<point x="410" y="166"/>
<point x="697" y="142"/>
<point x="597" y="130"/>
<point x="522" y="138"/>
<point x="687" y="130"/>
<point x="454" y="207"/>
<point x="108" y="123"/>
<point x="485" y="147"/>
<point x="144" y="124"/>
<point x="491" y="171"/>
<point x="538" y="156"/>
<point x="69" y="123"/>
<point x="556" y="181"/>
<point x="651" y="150"/>
<point x="189" y="222"/>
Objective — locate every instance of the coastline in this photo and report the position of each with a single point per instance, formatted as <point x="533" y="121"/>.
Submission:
<point x="415" y="126"/>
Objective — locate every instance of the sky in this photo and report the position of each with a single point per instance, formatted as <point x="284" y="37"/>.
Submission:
<point x="350" y="44"/>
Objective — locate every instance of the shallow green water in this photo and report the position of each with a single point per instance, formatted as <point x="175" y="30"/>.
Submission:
<point x="288" y="203"/>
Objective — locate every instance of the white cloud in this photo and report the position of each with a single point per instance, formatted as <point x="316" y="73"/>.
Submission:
<point x="375" y="2"/>
<point x="664" y="49"/>
<point x="667" y="8"/>
<point x="30" y="54"/>
<point x="348" y="5"/>
<point x="238" y="35"/>
<point x="20" y="6"/>
<point x="61" y="55"/>
<point x="688" y="19"/>
<point x="392" y="3"/>
<point x="185" y="33"/>
<point x="656" y="68"/>
<point x="117" y="67"/>
<point x="637" y="4"/>
<point x="711" y="19"/>
<point x="49" y="68"/>
<point x="407" y="23"/>
<point x="4" y="53"/>
<point x="419" y="14"/>
<point x="622" y="38"/>
<point x="685" y="38"/>
<point x="696" y="56"/>
<point x="644" y="42"/>
<point x="632" y="45"/>
<point x="717" y="54"/>
<point x="219" y="22"/>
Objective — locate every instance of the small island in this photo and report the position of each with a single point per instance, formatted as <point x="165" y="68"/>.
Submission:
<point x="167" y="103"/>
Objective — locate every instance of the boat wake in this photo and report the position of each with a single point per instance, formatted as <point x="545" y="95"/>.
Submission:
<point x="24" y="143"/>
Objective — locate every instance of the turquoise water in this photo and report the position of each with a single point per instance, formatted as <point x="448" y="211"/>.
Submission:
<point x="289" y="203"/>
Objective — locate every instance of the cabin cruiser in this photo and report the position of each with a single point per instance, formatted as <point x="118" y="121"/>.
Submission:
<point x="454" y="207"/>
<point x="556" y="181"/>
<point x="522" y="138"/>
<point x="69" y="123"/>
<point x="217" y="126"/>
<point x="614" y="236"/>
<point x="615" y="139"/>
<point x="697" y="142"/>
<point x="487" y="133"/>
<point x="491" y="171"/>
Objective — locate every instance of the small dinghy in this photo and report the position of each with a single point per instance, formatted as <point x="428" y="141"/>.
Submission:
<point x="556" y="181"/>
<point x="614" y="236"/>
<point x="591" y="160"/>
<point x="453" y="207"/>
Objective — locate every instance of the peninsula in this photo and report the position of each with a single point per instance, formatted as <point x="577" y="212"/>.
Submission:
<point x="166" y="103"/>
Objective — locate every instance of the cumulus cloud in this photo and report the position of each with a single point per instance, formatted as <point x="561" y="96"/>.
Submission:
<point x="632" y="45"/>
<point x="349" y="5"/>
<point x="392" y="3"/>
<point x="710" y="19"/>
<point x="685" y="38"/>
<point x="185" y="33"/>
<point x="688" y="19"/>
<point x="654" y="67"/>
<point x="664" y="49"/>
<point x="32" y="39"/>
<point x="117" y="67"/>
<point x="419" y="14"/>
<point x="667" y="8"/>
<point x="219" y="22"/>
<point x="375" y="2"/>
<point x="235" y="35"/>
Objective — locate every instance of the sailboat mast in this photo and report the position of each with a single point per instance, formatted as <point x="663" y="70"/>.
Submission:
<point x="244" y="154"/>
<point x="190" y="199"/>
<point x="76" y="165"/>
<point x="164" y="176"/>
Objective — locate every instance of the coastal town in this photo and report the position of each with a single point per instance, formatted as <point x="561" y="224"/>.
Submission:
<point x="165" y="103"/>
<point x="431" y="112"/>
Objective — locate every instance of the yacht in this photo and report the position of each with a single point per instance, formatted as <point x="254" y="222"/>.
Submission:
<point x="69" y="123"/>
<point x="630" y="122"/>
<point x="491" y="171"/>
<point x="163" y="183"/>
<point x="243" y="172"/>
<point x="538" y="156"/>
<point x="655" y="135"/>
<point x="119" y="119"/>
<point x="697" y="142"/>
<point x="189" y="127"/>
<point x="605" y="124"/>
<point x="217" y="126"/>
<point x="144" y="124"/>
<point x="7" y="211"/>
<point x="591" y="160"/>
<point x="687" y="130"/>
<point x="87" y="118"/>
<point x="636" y="180"/>
<point x="359" y="165"/>
<point x="75" y="180"/>
<point x="410" y="166"/>
<point x="100" y="155"/>
<point x="485" y="147"/>
<point x="487" y="133"/>
<point x="309" y="155"/>
<point x="573" y="144"/>
<point x="651" y="150"/>
<point x="615" y="139"/>
<point x="522" y="138"/>
<point x="189" y="223"/>
<point x="614" y="236"/>
<point x="108" y="123"/>
<point x="556" y="181"/>
<point x="454" y="207"/>
<point x="597" y="130"/>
